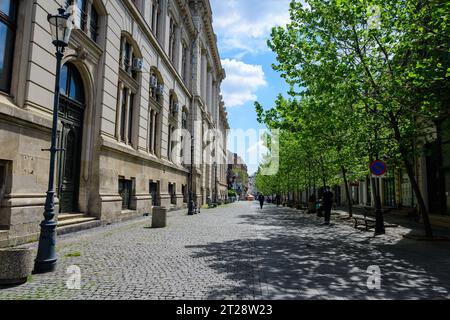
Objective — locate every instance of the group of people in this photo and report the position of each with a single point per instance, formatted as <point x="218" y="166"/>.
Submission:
<point x="327" y="203"/>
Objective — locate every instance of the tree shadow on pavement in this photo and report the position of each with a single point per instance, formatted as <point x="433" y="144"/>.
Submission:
<point x="289" y="255"/>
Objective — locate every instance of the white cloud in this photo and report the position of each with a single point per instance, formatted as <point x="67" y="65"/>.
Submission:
<point x="245" y="25"/>
<point x="242" y="82"/>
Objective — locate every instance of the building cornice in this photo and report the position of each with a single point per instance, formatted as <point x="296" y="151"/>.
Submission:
<point x="204" y="5"/>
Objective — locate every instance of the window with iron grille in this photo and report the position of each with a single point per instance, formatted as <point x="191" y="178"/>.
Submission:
<point x="185" y="193"/>
<point x="125" y="191"/>
<point x="172" y="192"/>
<point x="3" y="165"/>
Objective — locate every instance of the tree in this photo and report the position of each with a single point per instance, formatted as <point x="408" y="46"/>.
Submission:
<point x="393" y="73"/>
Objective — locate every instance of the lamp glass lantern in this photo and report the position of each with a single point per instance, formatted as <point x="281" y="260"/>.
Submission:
<point x="61" y="28"/>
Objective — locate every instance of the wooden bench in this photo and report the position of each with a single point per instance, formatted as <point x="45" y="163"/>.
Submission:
<point x="302" y="206"/>
<point x="369" y="218"/>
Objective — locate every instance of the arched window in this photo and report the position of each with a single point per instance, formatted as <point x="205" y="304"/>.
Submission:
<point x="170" y="143"/>
<point x="184" y="139"/>
<point x="156" y="92"/>
<point x="172" y="40"/>
<point x="156" y="18"/>
<point x="184" y="62"/>
<point x="184" y="119"/>
<point x="174" y="106"/>
<point x="71" y="84"/>
<point x="129" y="58"/>
<point x="8" y="13"/>
<point x="156" y="86"/>
<point x="128" y="88"/>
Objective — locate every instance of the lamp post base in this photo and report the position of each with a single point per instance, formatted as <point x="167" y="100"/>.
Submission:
<point x="46" y="258"/>
<point x="44" y="267"/>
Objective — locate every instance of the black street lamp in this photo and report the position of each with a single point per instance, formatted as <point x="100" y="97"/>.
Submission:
<point x="61" y="29"/>
<point x="191" y="182"/>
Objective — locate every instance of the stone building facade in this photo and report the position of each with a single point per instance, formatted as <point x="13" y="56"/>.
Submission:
<point x="135" y="74"/>
<point x="237" y="175"/>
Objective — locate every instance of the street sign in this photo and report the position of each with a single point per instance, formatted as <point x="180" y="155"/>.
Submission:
<point x="378" y="168"/>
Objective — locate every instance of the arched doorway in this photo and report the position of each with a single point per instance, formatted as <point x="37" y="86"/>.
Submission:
<point x="71" y="114"/>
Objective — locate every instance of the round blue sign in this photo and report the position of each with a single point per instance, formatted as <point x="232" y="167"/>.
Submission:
<point x="378" y="167"/>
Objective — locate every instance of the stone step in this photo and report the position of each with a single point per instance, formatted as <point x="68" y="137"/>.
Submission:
<point x="75" y="220"/>
<point x="80" y="225"/>
<point x="70" y="216"/>
<point x="3" y="235"/>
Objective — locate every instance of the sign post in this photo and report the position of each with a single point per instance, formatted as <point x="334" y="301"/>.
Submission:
<point x="378" y="169"/>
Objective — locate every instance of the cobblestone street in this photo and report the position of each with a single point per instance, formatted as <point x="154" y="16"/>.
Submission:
<point x="241" y="252"/>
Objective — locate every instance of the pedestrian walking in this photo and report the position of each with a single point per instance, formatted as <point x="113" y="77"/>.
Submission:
<point x="327" y="203"/>
<point x="261" y="200"/>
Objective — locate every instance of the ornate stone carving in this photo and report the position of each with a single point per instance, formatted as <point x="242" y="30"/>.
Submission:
<point x="81" y="52"/>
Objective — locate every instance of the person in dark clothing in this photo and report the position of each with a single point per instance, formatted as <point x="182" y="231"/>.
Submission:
<point x="261" y="200"/>
<point x="278" y="200"/>
<point x="327" y="203"/>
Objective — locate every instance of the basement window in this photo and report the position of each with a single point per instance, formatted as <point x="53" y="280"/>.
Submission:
<point x="125" y="191"/>
<point x="4" y="165"/>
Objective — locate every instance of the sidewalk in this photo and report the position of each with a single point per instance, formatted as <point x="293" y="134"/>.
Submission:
<point x="402" y="220"/>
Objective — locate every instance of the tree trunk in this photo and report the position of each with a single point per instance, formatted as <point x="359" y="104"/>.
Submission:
<point x="347" y="192"/>
<point x="418" y="193"/>
<point x="412" y="179"/>
<point x="324" y="178"/>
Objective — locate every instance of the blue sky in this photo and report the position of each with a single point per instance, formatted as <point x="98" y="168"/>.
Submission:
<point x="243" y="28"/>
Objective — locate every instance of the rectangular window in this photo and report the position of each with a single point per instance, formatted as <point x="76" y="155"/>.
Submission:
<point x="123" y="114"/>
<point x="184" y="63"/>
<point x="369" y="191"/>
<point x="173" y="194"/>
<point x="185" y="193"/>
<point x="172" y="39"/>
<point x="154" y="9"/>
<point x="127" y="57"/>
<point x="169" y="143"/>
<point x="155" y="135"/>
<point x="154" y="192"/>
<point x="80" y="12"/>
<point x="150" y="131"/>
<point x="158" y="20"/>
<point x="408" y="197"/>
<point x="2" y="179"/>
<point x="125" y="191"/>
<point x="130" y="119"/>
<point x="8" y="11"/>
<point x="389" y="192"/>
<point x="93" y="30"/>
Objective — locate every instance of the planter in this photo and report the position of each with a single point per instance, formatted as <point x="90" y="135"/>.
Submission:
<point x="16" y="265"/>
